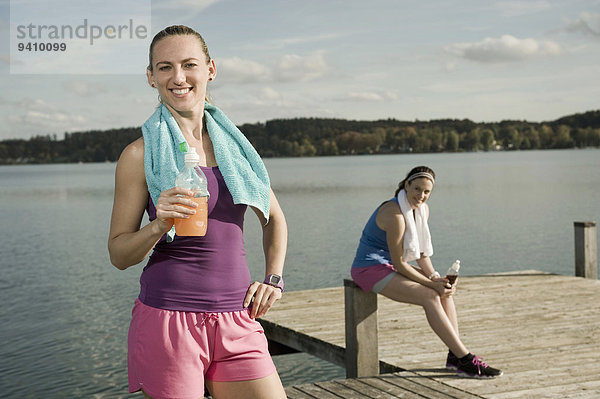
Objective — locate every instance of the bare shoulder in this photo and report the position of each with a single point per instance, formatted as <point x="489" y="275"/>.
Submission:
<point x="131" y="161"/>
<point x="389" y="217"/>
<point x="390" y="209"/>
<point x="134" y="151"/>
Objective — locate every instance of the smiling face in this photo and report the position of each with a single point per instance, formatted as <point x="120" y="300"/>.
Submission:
<point x="418" y="191"/>
<point x="180" y="72"/>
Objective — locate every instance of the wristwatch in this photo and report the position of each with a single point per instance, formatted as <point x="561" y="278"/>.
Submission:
<point x="274" y="280"/>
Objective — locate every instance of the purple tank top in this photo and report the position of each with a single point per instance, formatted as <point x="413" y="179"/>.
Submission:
<point x="201" y="274"/>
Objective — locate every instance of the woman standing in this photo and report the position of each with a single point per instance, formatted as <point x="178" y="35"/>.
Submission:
<point x="193" y="322"/>
<point x="397" y="233"/>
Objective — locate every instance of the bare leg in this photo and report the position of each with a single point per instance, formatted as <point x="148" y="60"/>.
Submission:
<point x="402" y="289"/>
<point x="263" y="388"/>
<point x="450" y="309"/>
<point x="448" y="305"/>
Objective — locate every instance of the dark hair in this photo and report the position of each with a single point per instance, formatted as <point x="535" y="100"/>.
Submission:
<point x="414" y="171"/>
<point x="176" y="30"/>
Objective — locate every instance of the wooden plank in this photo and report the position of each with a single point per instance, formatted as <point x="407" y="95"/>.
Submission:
<point x="426" y="387"/>
<point x="392" y="389"/>
<point x="317" y="391"/>
<point x="527" y="337"/>
<point x="341" y="390"/>
<point x="365" y="389"/>
<point x="586" y="251"/>
<point x="361" y="331"/>
<point x="295" y="393"/>
<point x="588" y="390"/>
<point x="277" y="348"/>
<point x="385" y="386"/>
<point x="304" y="343"/>
<point x="542" y="330"/>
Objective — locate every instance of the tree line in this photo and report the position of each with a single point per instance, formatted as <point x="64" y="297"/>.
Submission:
<point x="301" y="137"/>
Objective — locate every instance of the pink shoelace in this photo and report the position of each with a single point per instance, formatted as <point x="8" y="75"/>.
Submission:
<point x="477" y="361"/>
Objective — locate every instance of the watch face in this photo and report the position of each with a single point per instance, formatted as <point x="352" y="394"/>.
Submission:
<point x="274" y="279"/>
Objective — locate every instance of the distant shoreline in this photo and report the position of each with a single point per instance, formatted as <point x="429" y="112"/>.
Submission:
<point x="309" y="137"/>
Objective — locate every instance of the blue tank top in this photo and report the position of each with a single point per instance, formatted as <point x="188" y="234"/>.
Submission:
<point x="201" y="274"/>
<point x="372" y="247"/>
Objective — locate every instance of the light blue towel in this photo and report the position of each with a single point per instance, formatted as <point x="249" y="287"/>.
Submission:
<point x="242" y="168"/>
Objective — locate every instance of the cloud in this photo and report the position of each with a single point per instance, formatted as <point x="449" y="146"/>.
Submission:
<point x="278" y="43"/>
<point x="587" y="23"/>
<point x="370" y="96"/>
<point x="83" y="88"/>
<point x="37" y="104"/>
<point x="38" y="115"/>
<point x="449" y="66"/>
<point x="287" y="68"/>
<point x="292" y="67"/>
<point x="176" y="12"/>
<point x="507" y="48"/>
<point x="519" y="8"/>
<point x="269" y="94"/>
<point x="312" y="38"/>
<point x="191" y="6"/>
<point x="269" y="97"/>
<point x="49" y="120"/>
<point x="238" y="70"/>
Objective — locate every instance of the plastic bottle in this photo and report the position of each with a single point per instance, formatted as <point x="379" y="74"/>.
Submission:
<point x="452" y="273"/>
<point x="192" y="178"/>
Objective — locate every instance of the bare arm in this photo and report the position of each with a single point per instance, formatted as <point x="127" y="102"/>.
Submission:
<point x="274" y="238"/>
<point x="425" y="264"/>
<point x="127" y="243"/>
<point x="274" y="247"/>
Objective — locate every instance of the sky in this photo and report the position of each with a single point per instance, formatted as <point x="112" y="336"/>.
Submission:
<point x="535" y="60"/>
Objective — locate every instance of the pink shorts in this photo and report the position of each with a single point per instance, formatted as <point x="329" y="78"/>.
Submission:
<point x="170" y="353"/>
<point x="372" y="278"/>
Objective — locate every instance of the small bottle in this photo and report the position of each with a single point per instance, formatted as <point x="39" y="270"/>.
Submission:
<point x="452" y="273"/>
<point x="192" y="178"/>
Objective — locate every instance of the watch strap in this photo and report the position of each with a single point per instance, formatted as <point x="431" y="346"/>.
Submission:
<point x="275" y="280"/>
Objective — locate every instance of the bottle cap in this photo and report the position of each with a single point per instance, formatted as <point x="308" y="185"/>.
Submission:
<point x="191" y="156"/>
<point x="456" y="265"/>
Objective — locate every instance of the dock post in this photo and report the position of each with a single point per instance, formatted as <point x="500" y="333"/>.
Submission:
<point x="362" y="357"/>
<point x="586" y="250"/>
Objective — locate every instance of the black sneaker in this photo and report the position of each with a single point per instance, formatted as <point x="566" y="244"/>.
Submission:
<point x="473" y="367"/>
<point x="451" y="362"/>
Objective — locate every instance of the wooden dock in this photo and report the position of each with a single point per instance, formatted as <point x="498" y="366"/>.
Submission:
<point x="404" y="384"/>
<point x="542" y="330"/>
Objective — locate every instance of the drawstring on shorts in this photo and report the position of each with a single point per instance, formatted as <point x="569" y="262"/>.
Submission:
<point x="207" y="316"/>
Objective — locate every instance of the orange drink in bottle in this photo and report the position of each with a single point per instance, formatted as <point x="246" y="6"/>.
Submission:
<point x="196" y="224"/>
<point x="193" y="179"/>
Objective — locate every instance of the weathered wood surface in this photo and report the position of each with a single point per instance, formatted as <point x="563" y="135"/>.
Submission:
<point x="542" y="330"/>
<point x="586" y="250"/>
<point x="361" y="331"/>
<point x="403" y="384"/>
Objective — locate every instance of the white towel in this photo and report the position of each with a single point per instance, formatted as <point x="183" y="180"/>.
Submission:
<point x="417" y="238"/>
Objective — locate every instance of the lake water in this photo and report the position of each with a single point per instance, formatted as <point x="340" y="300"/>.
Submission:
<point x="65" y="313"/>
